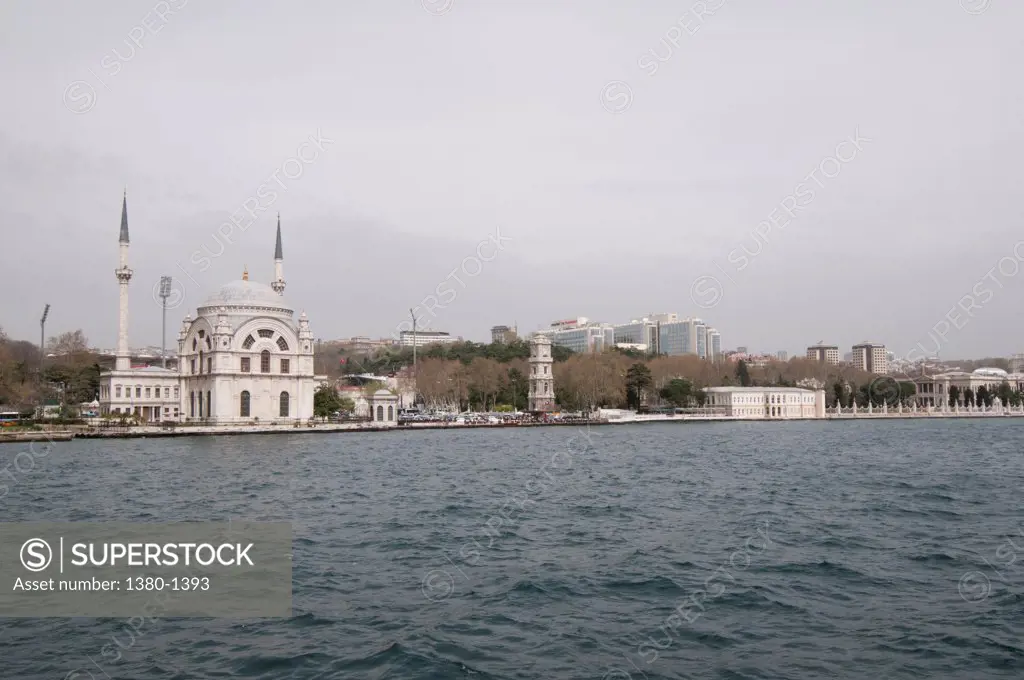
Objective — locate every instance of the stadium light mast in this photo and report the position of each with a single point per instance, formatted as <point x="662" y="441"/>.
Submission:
<point x="165" y="292"/>
<point x="414" y="343"/>
<point x="42" y="340"/>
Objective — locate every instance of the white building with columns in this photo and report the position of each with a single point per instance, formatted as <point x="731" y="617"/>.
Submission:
<point x="758" y="403"/>
<point x="243" y="359"/>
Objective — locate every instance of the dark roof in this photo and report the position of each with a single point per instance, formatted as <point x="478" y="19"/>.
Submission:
<point x="278" y="253"/>
<point x="124" y="218"/>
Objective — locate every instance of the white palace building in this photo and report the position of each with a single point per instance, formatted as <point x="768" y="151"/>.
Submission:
<point x="242" y="360"/>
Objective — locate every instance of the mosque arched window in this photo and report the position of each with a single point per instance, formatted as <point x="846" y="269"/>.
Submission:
<point x="391" y="413"/>
<point x="380" y="413"/>
<point x="249" y="342"/>
<point x="245" y="406"/>
<point x="285" y="404"/>
<point x="282" y="344"/>
<point x="265" y="333"/>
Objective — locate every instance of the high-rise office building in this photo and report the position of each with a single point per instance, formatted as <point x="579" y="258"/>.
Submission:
<point x="870" y="357"/>
<point x="822" y="352"/>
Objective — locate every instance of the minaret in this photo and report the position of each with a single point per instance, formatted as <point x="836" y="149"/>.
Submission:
<point x="278" y="283"/>
<point x="123" y="361"/>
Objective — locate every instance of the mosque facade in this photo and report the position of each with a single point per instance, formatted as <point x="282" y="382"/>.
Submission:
<point x="243" y="359"/>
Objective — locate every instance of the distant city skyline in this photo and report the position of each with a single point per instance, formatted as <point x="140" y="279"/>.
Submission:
<point x="602" y="171"/>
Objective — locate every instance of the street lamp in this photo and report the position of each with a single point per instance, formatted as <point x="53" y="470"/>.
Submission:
<point x="165" y="292"/>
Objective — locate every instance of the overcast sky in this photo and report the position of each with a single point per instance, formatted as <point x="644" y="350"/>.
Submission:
<point x="626" y="152"/>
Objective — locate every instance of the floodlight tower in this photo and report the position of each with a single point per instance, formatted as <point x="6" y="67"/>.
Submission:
<point x="165" y="292"/>
<point x="42" y="341"/>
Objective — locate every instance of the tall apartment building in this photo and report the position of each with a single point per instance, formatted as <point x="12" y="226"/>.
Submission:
<point x="504" y="335"/>
<point x="782" y="355"/>
<point x="870" y="357"/>
<point x="822" y="352"/>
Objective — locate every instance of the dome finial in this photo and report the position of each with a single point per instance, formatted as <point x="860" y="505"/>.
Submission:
<point x="245" y="274"/>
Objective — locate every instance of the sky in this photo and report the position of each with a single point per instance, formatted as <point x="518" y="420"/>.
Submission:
<point x="791" y="172"/>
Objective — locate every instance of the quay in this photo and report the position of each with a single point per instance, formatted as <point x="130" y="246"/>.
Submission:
<point x="606" y="418"/>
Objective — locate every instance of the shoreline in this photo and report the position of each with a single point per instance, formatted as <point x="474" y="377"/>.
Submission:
<point x="144" y="432"/>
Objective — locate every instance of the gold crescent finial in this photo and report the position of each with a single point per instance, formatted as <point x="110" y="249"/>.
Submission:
<point x="245" y="274"/>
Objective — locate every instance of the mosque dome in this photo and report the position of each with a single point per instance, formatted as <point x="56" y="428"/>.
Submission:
<point x="244" y="293"/>
<point x="990" y="371"/>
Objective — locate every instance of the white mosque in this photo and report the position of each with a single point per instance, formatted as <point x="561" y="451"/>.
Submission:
<point x="242" y="360"/>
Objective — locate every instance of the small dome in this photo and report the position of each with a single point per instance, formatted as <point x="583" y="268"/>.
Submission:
<point x="244" y="293"/>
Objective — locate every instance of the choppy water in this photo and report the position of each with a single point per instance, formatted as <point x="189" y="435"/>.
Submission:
<point x="739" y="550"/>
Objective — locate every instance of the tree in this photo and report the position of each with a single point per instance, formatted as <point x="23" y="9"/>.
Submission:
<point x="954" y="395"/>
<point x="1005" y="393"/>
<point x="907" y="392"/>
<point x="677" y="392"/>
<point x="968" y="396"/>
<point x="638" y="380"/>
<point x="983" y="398"/>
<point x="326" y="401"/>
<point x="840" y="393"/>
<point x="742" y="374"/>
<point x="68" y="346"/>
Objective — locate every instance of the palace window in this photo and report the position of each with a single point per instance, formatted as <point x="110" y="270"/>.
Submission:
<point x="380" y="413"/>
<point x="138" y="392"/>
<point x="192" y="404"/>
<point x="282" y="344"/>
<point x="265" y="333"/>
<point x="209" y="405"/>
<point x="391" y="412"/>
<point x="148" y="393"/>
<point x="249" y="342"/>
<point x="209" y="345"/>
<point x="245" y="405"/>
<point x="246" y="367"/>
<point x="265" y="361"/>
<point x="176" y="392"/>
<point x="192" y="366"/>
<point x="209" y="365"/>
<point x="167" y="393"/>
<point x="117" y="391"/>
<point x="285" y="405"/>
<point x="285" y="366"/>
<point x="195" y="344"/>
<point x="200" y="404"/>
